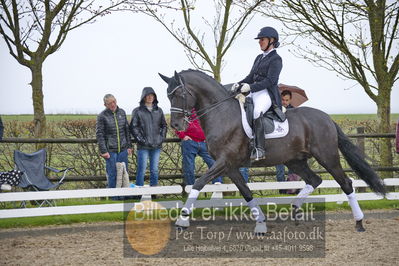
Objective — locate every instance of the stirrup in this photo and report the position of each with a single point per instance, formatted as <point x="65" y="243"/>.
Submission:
<point x="258" y="154"/>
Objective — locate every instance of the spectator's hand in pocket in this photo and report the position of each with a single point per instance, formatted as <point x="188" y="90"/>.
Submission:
<point x="105" y="155"/>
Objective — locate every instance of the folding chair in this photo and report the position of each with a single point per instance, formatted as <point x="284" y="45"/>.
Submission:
<point x="34" y="178"/>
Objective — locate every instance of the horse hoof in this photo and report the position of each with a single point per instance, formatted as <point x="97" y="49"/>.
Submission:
<point x="183" y="221"/>
<point x="180" y="229"/>
<point x="359" y="226"/>
<point x="260" y="228"/>
<point x="295" y="214"/>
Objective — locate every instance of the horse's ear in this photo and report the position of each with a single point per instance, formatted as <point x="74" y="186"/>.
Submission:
<point x="165" y="78"/>
<point x="177" y="77"/>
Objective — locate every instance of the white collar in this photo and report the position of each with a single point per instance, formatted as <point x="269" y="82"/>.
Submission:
<point x="267" y="52"/>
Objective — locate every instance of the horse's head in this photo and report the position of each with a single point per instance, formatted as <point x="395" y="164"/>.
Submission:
<point x="181" y="99"/>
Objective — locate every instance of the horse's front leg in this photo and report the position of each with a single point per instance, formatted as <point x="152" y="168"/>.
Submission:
<point x="238" y="180"/>
<point x="217" y="169"/>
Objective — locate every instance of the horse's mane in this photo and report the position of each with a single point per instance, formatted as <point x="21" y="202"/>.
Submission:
<point x="204" y="76"/>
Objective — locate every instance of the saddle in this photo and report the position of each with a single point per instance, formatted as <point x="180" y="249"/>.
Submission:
<point x="273" y="114"/>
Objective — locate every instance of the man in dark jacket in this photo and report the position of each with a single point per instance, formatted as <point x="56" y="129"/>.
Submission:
<point x="286" y="97"/>
<point x="148" y="127"/>
<point x="112" y="133"/>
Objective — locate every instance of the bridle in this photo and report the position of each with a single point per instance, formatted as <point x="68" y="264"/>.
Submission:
<point x="187" y="114"/>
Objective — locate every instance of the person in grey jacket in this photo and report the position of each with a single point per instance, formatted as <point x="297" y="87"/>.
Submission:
<point x="148" y="127"/>
<point x="112" y="133"/>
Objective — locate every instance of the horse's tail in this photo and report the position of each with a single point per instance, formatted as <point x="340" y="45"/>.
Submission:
<point x="353" y="156"/>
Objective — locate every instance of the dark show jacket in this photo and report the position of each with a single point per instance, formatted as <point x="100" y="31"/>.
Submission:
<point x="264" y="74"/>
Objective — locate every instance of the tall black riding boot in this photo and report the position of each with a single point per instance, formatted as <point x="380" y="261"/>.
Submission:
<point x="258" y="151"/>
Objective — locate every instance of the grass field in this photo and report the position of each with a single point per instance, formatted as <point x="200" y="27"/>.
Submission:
<point x="362" y="117"/>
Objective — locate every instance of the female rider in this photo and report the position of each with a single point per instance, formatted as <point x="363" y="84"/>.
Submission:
<point x="262" y="84"/>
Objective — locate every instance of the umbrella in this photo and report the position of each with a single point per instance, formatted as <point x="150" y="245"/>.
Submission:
<point x="298" y="95"/>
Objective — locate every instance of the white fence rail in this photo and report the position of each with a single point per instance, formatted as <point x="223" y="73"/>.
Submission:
<point x="216" y="199"/>
<point x="88" y="193"/>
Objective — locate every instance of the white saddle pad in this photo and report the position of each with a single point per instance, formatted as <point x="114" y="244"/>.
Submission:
<point x="280" y="128"/>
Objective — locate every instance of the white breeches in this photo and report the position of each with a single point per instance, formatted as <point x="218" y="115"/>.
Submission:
<point x="262" y="102"/>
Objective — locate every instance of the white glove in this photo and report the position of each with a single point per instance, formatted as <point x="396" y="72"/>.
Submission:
<point x="245" y="88"/>
<point x="234" y="87"/>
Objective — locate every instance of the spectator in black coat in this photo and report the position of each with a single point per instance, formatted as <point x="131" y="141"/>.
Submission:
<point x="148" y="127"/>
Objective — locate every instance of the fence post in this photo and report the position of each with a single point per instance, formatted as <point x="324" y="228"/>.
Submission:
<point x="360" y="144"/>
<point x="360" y="141"/>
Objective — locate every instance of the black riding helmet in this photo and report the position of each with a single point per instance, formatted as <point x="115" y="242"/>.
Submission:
<point x="269" y="32"/>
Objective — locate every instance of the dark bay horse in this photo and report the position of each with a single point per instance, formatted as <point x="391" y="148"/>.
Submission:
<point x="312" y="133"/>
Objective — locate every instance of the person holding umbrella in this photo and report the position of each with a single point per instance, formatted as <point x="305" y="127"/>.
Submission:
<point x="261" y="84"/>
<point x="297" y="96"/>
<point x="286" y="98"/>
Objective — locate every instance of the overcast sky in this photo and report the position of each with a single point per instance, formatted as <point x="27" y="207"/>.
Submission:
<point x="122" y="53"/>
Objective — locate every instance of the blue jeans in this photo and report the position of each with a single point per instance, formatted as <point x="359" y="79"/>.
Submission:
<point x="190" y="149"/>
<point x="245" y="173"/>
<point x="142" y="157"/>
<point x="280" y="168"/>
<point x="110" y="166"/>
<point x="280" y="176"/>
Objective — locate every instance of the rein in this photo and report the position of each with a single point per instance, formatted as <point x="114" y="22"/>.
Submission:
<point x="199" y="113"/>
<point x="209" y="108"/>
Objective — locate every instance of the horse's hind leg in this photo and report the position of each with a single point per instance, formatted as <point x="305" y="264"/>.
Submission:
<point x="238" y="180"/>
<point x="301" y="168"/>
<point x="333" y="166"/>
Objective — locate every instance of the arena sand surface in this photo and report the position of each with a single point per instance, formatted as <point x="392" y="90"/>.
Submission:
<point x="102" y="244"/>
